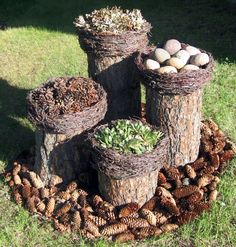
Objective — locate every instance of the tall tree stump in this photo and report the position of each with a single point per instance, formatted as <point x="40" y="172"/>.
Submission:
<point x="135" y="189"/>
<point x="173" y="104"/>
<point x="111" y="63"/>
<point x="60" y="140"/>
<point x="180" y="117"/>
<point x="127" y="177"/>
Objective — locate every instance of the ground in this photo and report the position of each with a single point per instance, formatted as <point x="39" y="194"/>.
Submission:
<point x="40" y="42"/>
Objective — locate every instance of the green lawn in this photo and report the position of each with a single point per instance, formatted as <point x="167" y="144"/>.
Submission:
<point x="40" y="43"/>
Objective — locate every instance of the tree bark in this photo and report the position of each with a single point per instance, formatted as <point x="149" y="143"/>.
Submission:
<point x="122" y="191"/>
<point x="58" y="156"/>
<point x="179" y="116"/>
<point x="117" y="74"/>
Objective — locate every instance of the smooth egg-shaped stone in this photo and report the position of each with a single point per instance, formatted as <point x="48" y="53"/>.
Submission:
<point x="151" y="64"/>
<point x="175" y="62"/>
<point x="161" y="55"/>
<point x="183" y="55"/>
<point x="192" y="50"/>
<point x="172" y="46"/>
<point x="200" y="59"/>
<point x="189" y="67"/>
<point x="167" y="69"/>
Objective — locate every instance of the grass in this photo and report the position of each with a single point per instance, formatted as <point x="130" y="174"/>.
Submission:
<point x="41" y="43"/>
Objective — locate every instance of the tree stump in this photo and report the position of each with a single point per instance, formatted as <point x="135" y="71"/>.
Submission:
<point x="111" y="63"/>
<point x="121" y="191"/>
<point x="179" y="116"/>
<point x="118" y="77"/>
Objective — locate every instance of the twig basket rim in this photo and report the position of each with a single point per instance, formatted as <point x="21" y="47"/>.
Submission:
<point x="174" y="83"/>
<point x="69" y="122"/>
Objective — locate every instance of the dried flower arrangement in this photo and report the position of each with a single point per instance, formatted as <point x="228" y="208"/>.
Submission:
<point x="129" y="137"/>
<point x="111" y="19"/>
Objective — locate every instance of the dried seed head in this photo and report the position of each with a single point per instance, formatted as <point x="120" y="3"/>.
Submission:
<point x="72" y="186"/>
<point x="162" y="192"/>
<point x="205" y="180"/>
<point x="170" y="206"/>
<point x="114" y="229"/>
<point x="167" y="185"/>
<point x="74" y="196"/>
<point x="212" y="185"/>
<point x="50" y="206"/>
<point x="199" y="207"/>
<point x="190" y="171"/>
<point x="213" y="195"/>
<point x="227" y="155"/>
<point x="135" y="223"/>
<point x="124" y="237"/>
<point x="91" y="227"/>
<point x="144" y="232"/>
<point x="185" y="191"/>
<point x="161" y="218"/>
<point x="60" y="227"/>
<point x="26" y="191"/>
<point x="169" y="227"/>
<point x="216" y="179"/>
<point x="195" y="197"/>
<point x="17" y="179"/>
<point x="82" y="200"/>
<point x="65" y="219"/>
<point x="198" y="164"/>
<point x="96" y="200"/>
<point x="151" y="204"/>
<point x="41" y="207"/>
<point x="30" y="204"/>
<point x="161" y="178"/>
<point x="36" y="180"/>
<point x="128" y="209"/>
<point x="17" y="197"/>
<point x="76" y="219"/>
<point x="26" y="182"/>
<point x="63" y="210"/>
<point x="149" y="216"/>
<point x="65" y="195"/>
<point x="186" y="217"/>
<point x="35" y="192"/>
<point x="55" y="180"/>
<point x="172" y="173"/>
<point x="44" y="193"/>
<point x="11" y="183"/>
<point x="52" y="190"/>
<point x="207" y="170"/>
<point x="16" y="169"/>
<point x="99" y="221"/>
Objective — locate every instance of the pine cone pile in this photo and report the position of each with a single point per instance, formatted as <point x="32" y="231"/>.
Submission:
<point x="182" y="195"/>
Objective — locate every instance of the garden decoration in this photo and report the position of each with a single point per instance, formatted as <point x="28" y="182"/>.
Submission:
<point x="110" y="37"/>
<point x="182" y="194"/>
<point x="127" y="155"/>
<point x="62" y="109"/>
<point x="174" y="76"/>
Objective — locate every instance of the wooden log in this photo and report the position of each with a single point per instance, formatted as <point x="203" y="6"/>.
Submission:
<point x="117" y="74"/>
<point x="122" y="191"/>
<point x="179" y="116"/>
<point x="58" y="156"/>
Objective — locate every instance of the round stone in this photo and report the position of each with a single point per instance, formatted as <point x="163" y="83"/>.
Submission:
<point x="176" y="62"/>
<point x="151" y="64"/>
<point x="200" y="59"/>
<point x="183" y="55"/>
<point x="192" y="50"/>
<point x="189" y="67"/>
<point x="172" y="46"/>
<point x="161" y="55"/>
<point x="167" y="69"/>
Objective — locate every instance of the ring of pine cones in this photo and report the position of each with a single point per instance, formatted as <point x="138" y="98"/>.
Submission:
<point x="182" y="194"/>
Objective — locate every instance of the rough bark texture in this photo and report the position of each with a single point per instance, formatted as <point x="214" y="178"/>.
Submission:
<point x="179" y="116"/>
<point x="57" y="156"/>
<point x="117" y="75"/>
<point x="122" y="191"/>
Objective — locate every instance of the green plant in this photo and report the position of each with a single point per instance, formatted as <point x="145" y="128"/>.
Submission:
<point x="128" y="137"/>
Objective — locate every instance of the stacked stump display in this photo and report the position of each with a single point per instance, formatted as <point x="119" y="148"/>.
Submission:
<point x="142" y="195"/>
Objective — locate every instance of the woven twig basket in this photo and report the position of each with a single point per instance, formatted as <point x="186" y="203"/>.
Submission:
<point x="119" y="165"/>
<point x="110" y="44"/>
<point x="175" y="83"/>
<point x="69" y="124"/>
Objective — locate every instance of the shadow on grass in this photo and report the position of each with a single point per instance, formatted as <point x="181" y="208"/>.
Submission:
<point x="210" y="25"/>
<point x="14" y="133"/>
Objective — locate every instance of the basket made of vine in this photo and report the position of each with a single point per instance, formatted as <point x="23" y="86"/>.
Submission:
<point x="112" y="44"/>
<point x="68" y="123"/>
<point x="118" y="165"/>
<point x="175" y="83"/>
